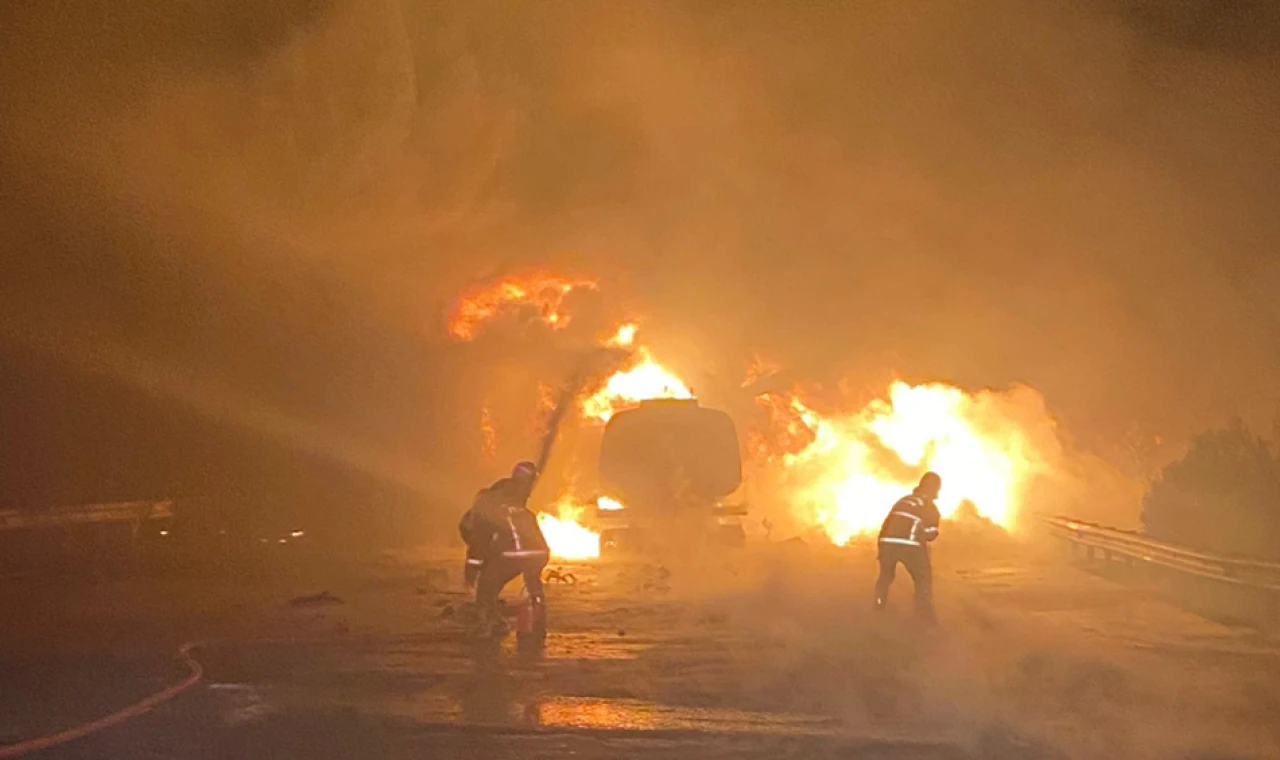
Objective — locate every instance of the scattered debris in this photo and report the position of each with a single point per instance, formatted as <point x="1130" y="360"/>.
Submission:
<point x="561" y="577"/>
<point x="314" y="600"/>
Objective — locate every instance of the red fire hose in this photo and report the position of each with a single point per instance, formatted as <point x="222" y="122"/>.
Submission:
<point x="120" y="716"/>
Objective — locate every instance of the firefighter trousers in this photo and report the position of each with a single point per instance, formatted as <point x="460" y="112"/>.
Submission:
<point x="501" y="570"/>
<point x="919" y="567"/>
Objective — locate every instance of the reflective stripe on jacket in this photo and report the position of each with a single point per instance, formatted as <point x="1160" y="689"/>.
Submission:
<point x="498" y="523"/>
<point x="913" y="521"/>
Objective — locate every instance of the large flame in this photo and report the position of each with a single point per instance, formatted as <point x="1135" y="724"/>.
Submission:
<point x="567" y="537"/>
<point x="843" y="472"/>
<point x="542" y="297"/>
<point x="840" y="471"/>
<point x="543" y="294"/>
<point x="641" y="379"/>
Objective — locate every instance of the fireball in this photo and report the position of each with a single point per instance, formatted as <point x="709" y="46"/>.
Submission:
<point x="843" y="471"/>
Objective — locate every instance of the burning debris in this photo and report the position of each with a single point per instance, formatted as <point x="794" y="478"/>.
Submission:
<point x="542" y="294"/>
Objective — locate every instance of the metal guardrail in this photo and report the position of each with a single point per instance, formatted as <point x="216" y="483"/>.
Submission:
<point x="122" y="511"/>
<point x="1136" y="549"/>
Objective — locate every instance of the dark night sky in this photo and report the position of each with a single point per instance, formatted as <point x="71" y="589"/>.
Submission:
<point x="229" y="230"/>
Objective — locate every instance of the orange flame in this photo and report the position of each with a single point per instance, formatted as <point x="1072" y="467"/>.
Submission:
<point x="839" y="470"/>
<point x="609" y="504"/>
<point x="543" y="293"/>
<point x="643" y="379"/>
<point x="760" y="367"/>
<point x="543" y="297"/>
<point x="843" y="472"/>
<point x="624" y="337"/>
<point x="567" y="537"/>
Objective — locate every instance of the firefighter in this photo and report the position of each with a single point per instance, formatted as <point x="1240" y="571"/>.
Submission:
<point x="504" y="541"/>
<point x="905" y="536"/>
<point x="471" y="569"/>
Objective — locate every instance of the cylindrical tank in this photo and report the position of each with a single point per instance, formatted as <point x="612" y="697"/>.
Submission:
<point x="670" y="455"/>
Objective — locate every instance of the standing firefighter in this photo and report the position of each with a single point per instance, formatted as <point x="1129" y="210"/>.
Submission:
<point x="503" y="541"/>
<point x="905" y="536"/>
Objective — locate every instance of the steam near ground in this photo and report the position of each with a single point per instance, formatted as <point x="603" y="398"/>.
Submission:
<point x="729" y="654"/>
<point x="1022" y="657"/>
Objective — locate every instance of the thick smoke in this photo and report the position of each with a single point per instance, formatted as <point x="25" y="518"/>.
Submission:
<point x="284" y="196"/>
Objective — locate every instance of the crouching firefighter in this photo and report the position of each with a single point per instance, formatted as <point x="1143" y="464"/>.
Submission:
<point x="504" y="541"/>
<point x="905" y="536"/>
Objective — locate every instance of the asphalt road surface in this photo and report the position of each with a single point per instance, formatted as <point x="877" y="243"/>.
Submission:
<point x="771" y="651"/>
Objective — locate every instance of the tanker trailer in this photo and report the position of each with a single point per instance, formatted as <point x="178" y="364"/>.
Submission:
<point x="665" y="468"/>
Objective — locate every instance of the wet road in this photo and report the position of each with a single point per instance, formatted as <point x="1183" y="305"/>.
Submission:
<point x="767" y="656"/>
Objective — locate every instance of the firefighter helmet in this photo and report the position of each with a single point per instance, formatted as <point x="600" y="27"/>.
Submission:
<point x="930" y="485"/>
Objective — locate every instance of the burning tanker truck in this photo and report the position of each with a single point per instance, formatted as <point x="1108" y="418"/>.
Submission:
<point x="665" y="469"/>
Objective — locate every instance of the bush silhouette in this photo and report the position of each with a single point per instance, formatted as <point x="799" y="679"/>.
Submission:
<point x="1223" y="496"/>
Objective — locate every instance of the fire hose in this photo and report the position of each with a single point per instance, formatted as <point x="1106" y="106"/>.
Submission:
<point x="195" y="673"/>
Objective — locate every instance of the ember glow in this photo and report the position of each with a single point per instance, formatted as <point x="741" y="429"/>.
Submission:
<point x="543" y="295"/>
<point x="843" y="471"/>
<point x="567" y="537"/>
<point x="641" y="379"/>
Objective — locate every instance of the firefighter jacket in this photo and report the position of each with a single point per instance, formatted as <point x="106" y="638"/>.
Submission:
<point x="499" y="524"/>
<point x="913" y="521"/>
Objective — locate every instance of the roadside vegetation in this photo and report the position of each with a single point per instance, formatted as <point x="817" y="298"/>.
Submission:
<point x="1223" y="496"/>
